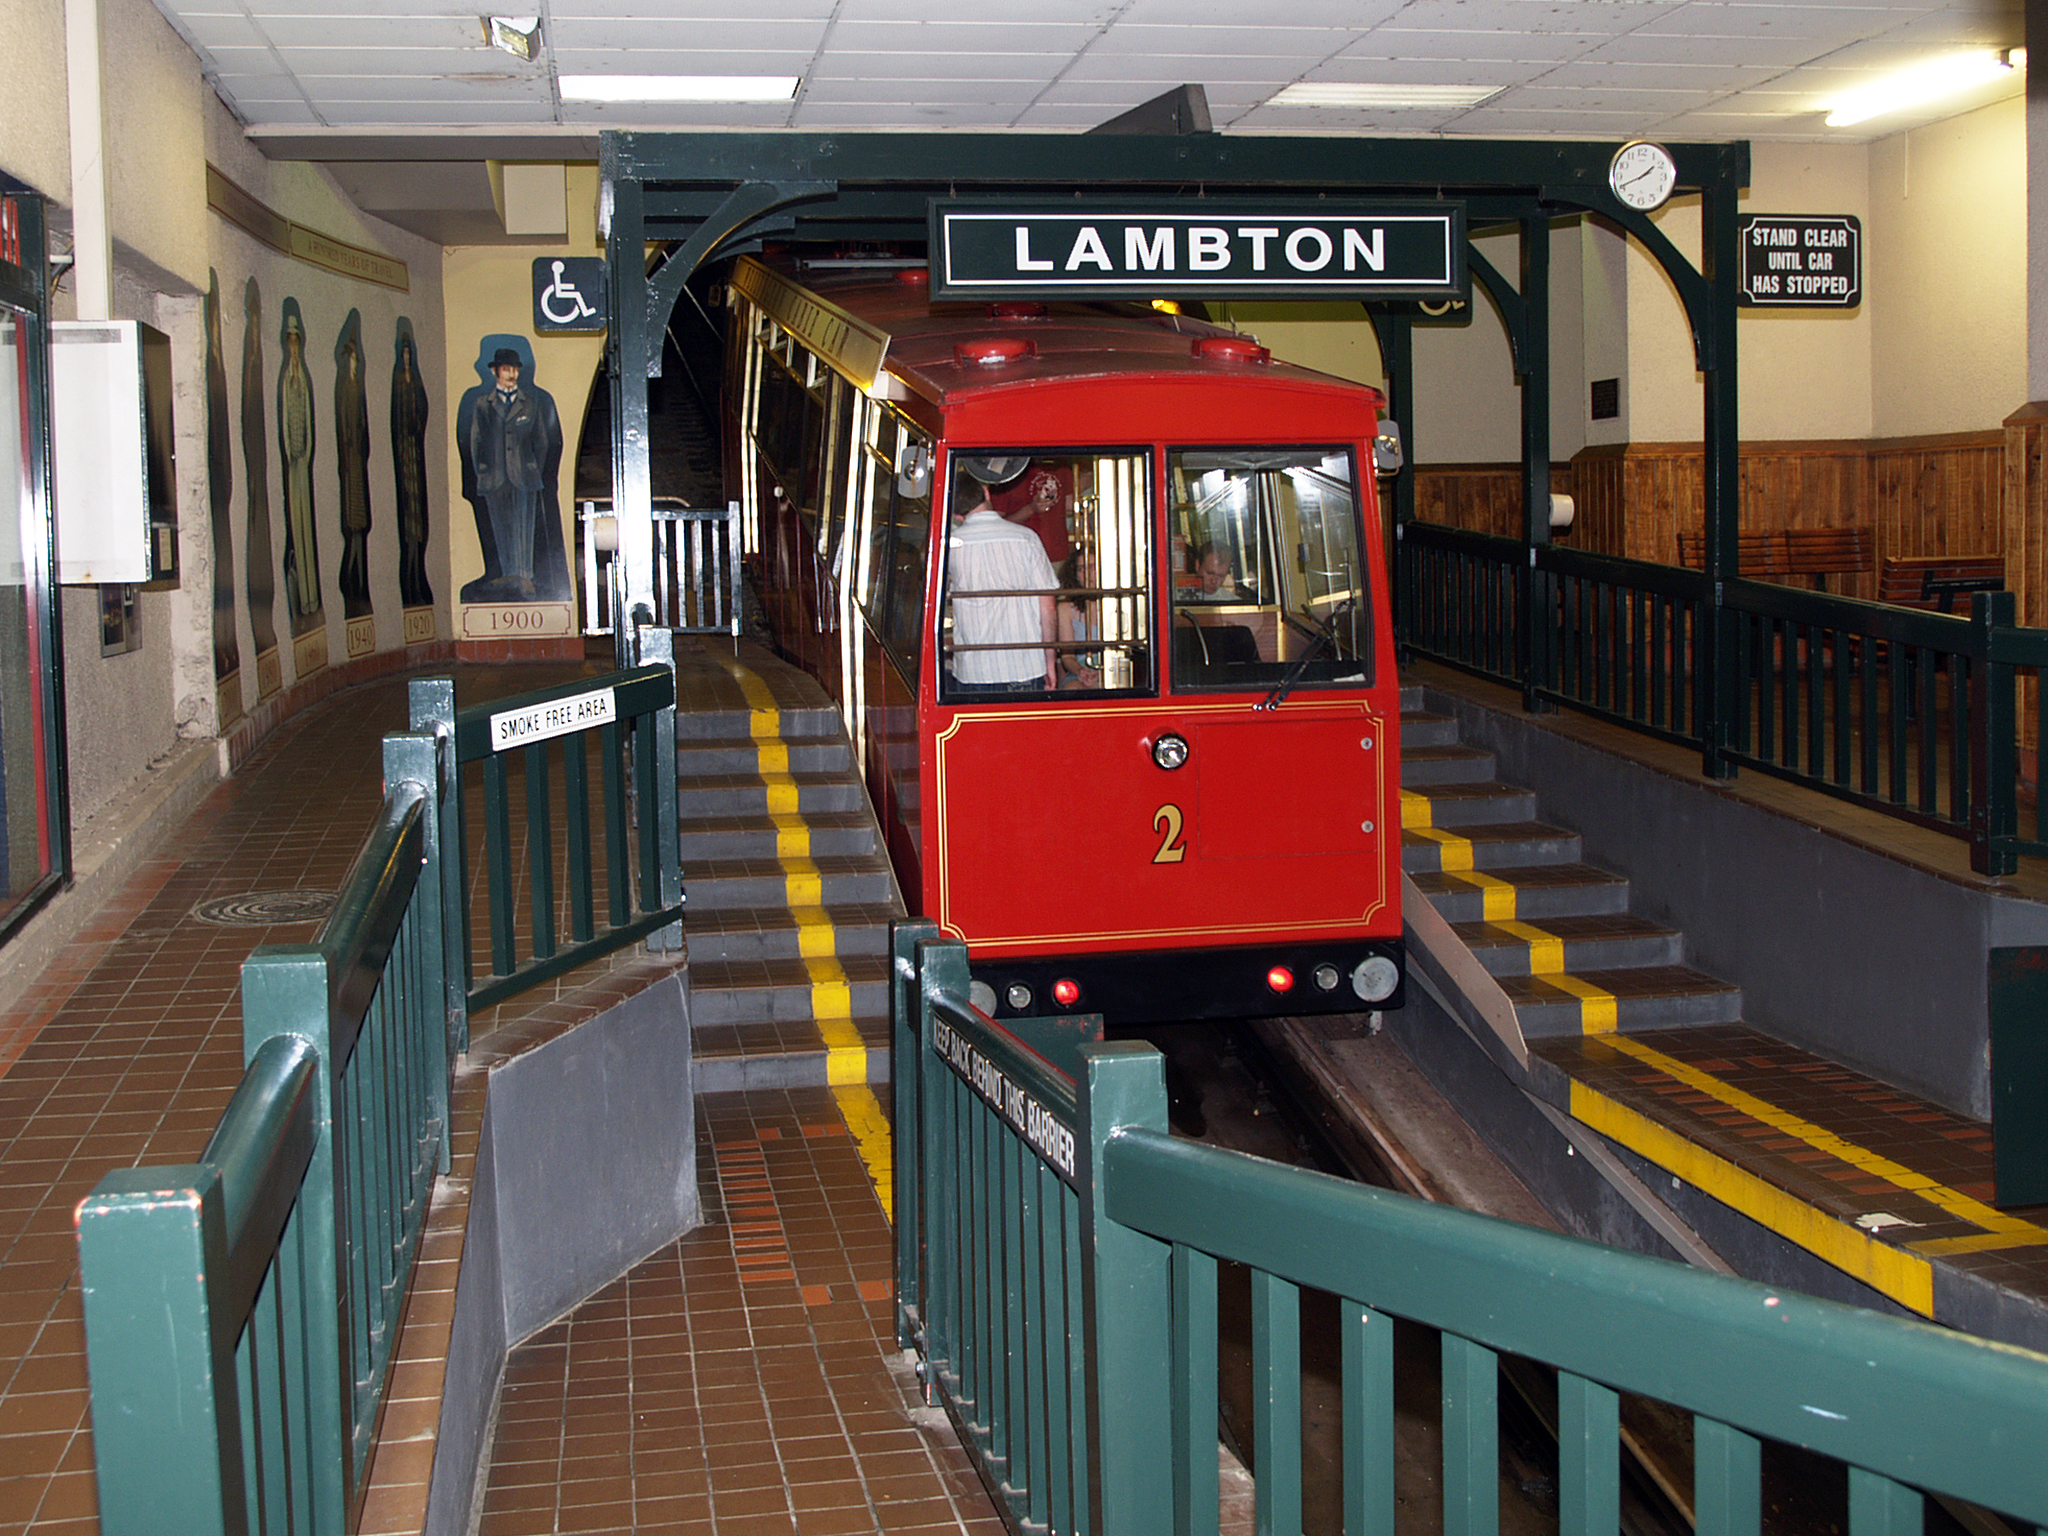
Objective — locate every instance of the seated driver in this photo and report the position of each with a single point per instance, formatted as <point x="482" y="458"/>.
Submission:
<point x="1217" y="568"/>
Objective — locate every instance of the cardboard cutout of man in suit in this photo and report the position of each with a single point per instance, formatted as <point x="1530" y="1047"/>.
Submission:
<point x="511" y="455"/>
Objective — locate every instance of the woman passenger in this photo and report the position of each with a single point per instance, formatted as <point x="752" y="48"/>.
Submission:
<point x="1080" y="621"/>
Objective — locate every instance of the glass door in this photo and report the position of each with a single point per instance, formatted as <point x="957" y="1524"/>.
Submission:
<point x="34" y="818"/>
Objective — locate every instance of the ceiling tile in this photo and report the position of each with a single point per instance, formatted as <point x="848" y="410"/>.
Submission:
<point x="1063" y="38"/>
<point x="750" y="35"/>
<point x="415" y="63"/>
<point x="1282" y="42"/>
<point x="819" y="11"/>
<point x="1396" y="42"/>
<point x="997" y="93"/>
<point x="1341" y="15"/>
<point x="383" y="33"/>
<point x="1089" y="13"/>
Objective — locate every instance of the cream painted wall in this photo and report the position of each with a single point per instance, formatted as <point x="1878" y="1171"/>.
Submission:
<point x="1660" y="385"/>
<point x="1468" y="407"/>
<point x="1803" y="371"/>
<point x="1948" y="273"/>
<point x="489" y="291"/>
<point x="156" y="100"/>
<point x="2037" y="217"/>
<point x="35" y="124"/>
<point x="1568" y="402"/>
<point x="1332" y="338"/>
<point x="163" y="125"/>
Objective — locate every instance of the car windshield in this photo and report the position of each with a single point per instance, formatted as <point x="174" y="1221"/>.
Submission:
<point x="1267" y="589"/>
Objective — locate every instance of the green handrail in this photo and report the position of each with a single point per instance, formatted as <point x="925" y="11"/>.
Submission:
<point x="242" y="1313"/>
<point x="1907" y="1407"/>
<point x="1838" y="694"/>
<point x="636" y="776"/>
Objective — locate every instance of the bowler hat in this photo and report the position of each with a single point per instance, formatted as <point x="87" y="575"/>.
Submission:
<point x="505" y="357"/>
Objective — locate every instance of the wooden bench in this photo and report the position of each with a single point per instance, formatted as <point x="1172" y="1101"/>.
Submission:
<point x="1766" y="554"/>
<point x="1824" y="552"/>
<point x="1936" y="581"/>
<point x="1759" y="551"/>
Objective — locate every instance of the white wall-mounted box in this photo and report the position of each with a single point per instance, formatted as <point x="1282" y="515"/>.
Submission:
<point x="110" y="428"/>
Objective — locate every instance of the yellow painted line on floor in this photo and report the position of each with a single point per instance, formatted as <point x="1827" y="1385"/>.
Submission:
<point x="846" y="1054"/>
<point x="815" y="936"/>
<point x="1599" y="1009"/>
<point x="792" y="835"/>
<point x="1546" y="950"/>
<point x="1982" y="1242"/>
<point x="1417" y="810"/>
<point x="1454" y="853"/>
<point x="1906" y="1278"/>
<point x="846" y="1070"/>
<point x="1497" y="897"/>
<point x="802" y="884"/>
<point x="1951" y="1201"/>
<point x="869" y="1125"/>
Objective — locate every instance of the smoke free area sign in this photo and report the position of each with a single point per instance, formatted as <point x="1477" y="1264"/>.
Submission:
<point x="1802" y="261"/>
<point x="1197" y="249"/>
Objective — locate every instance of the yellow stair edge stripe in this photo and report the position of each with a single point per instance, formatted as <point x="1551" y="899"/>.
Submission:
<point x="1546" y="950"/>
<point x="1952" y="1201"/>
<point x="1906" y="1278"/>
<point x="846" y="1055"/>
<point x="1599" y="1009"/>
<point x="1498" y="898"/>
<point x="1454" y="853"/>
<point x="1417" y="810"/>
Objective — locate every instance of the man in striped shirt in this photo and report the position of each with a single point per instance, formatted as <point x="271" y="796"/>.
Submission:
<point x="1001" y="589"/>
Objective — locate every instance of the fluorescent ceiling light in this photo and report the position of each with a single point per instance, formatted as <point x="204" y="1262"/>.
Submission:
<point x="679" y="87"/>
<point x="1309" y="94"/>
<point x="516" y="35"/>
<point x="1924" y="83"/>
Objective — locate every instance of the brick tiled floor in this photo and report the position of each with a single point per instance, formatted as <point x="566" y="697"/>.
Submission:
<point x="743" y="1379"/>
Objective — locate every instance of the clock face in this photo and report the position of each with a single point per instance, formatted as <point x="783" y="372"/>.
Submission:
<point x="1642" y="174"/>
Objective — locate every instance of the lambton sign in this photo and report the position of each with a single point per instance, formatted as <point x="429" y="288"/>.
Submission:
<point x="1197" y="248"/>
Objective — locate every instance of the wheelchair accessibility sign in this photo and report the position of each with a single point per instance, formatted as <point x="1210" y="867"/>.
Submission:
<point x="568" y="293"/>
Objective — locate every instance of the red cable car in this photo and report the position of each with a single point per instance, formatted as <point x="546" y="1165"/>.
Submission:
<point x="1101" y="595"/>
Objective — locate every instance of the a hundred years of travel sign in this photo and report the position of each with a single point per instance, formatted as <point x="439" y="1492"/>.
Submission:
<point x="1197" y="249"/>
<point x="1802" y="261"/>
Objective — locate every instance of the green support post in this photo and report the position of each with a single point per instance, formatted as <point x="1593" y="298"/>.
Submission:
<point x="285" y="992"/>
<point x="1994" y="758"/>
<point x="657" y="647"/>
<point x="1713" y="314"/>
<point x="906" y="1053"/>
<point x="1471" y="1397"/>
<point x="1532" y="364"/>
<point x="2017" y="999"/>
<point x="415" y="758"/>
<point x="1727" y="1478"/>
<point x="167" y="1448"/>
<point x="941" y="968"/>
<point x="432" y="709"/>
<point x="1124" y="1275"/>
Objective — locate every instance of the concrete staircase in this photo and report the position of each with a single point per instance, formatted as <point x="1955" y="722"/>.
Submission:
<point x="1555" y="932"/>
<point x="790" y="901"/>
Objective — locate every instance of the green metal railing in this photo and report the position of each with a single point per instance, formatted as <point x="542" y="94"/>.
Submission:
<point x="241" y="1313"/>
<point x="995" y="1310"/>
<point x="556" y="863"/>
<point x="1914" y="714"/>
<point x="988" y="1280"/>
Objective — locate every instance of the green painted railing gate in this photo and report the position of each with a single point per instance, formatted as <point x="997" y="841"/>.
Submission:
<point x="242" y="1312"/>
<point x="1055" y="1245"/>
